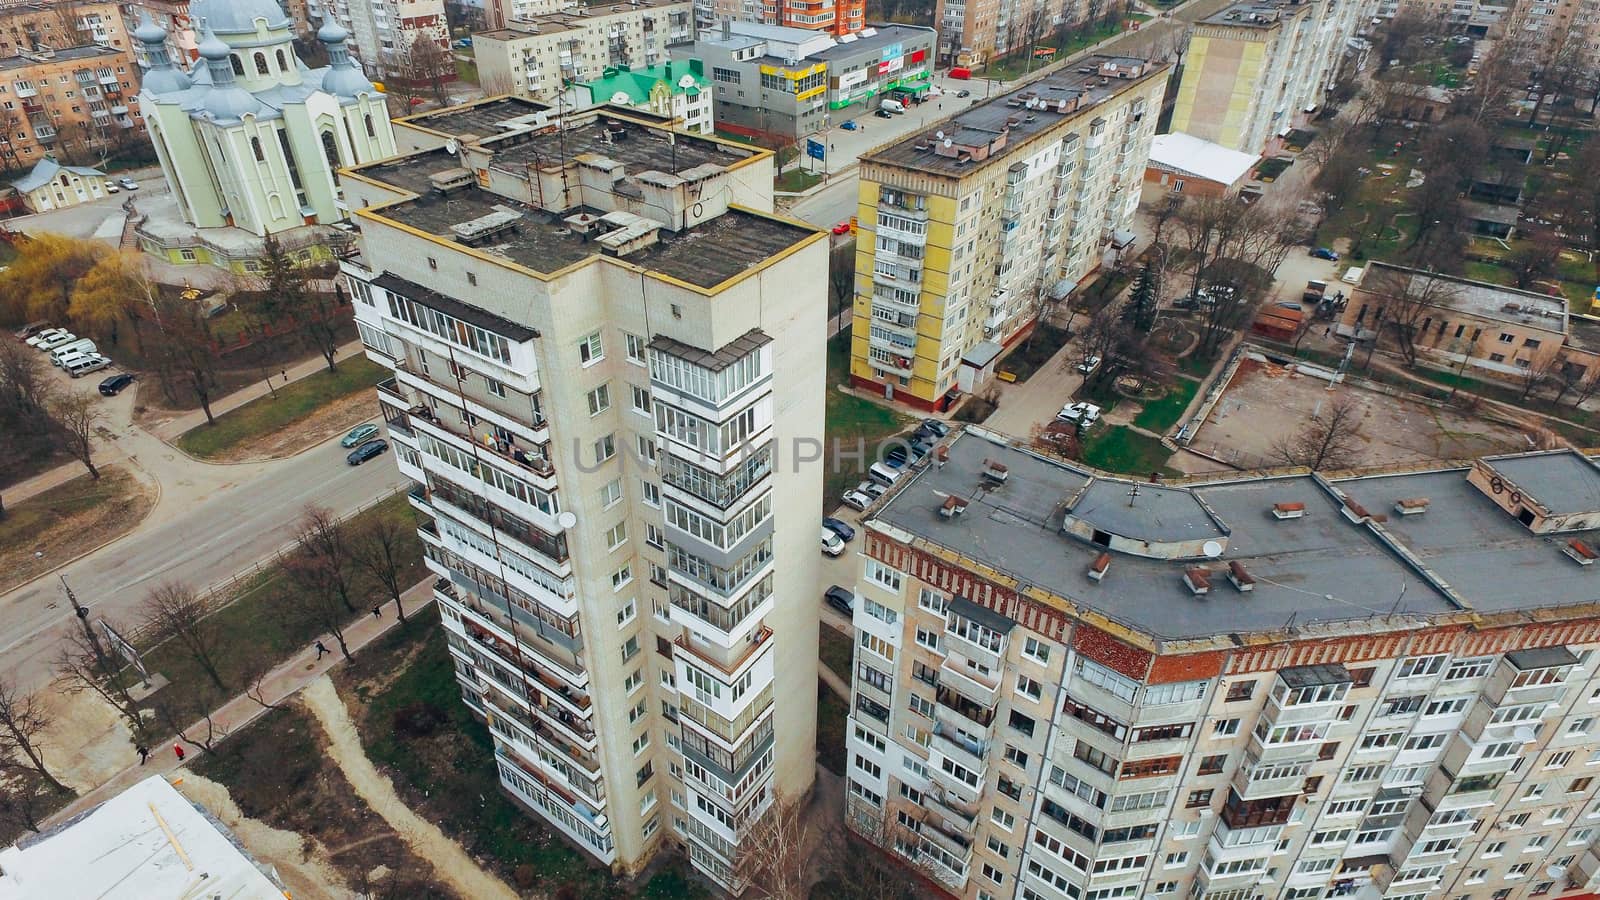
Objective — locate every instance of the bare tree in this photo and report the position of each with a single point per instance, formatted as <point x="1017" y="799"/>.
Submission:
<point x="323" y="553"/>
<point x="842" y="276"/>
<point x="174" y="612"/>
<point x="1485" y="100"/>
<point x="82" y="667"/>
<point x="23" y="722"/>
<point x="773" y="854"/>
<point x="23" y="385"/>
<point x="1535" y="258"/>
<point x="378" y="548"/>
<point x="79" y="416"/>
<point x="1097" y="341"/>
<point x="853" y="870"/>
<point x="1408" y="298"/>
<point x="1329" y="441"/>
<point x="426" y="68"/>
<point x="317" y="600"/>
<point x="192" y="720"/>
<point x="22" y="802"/>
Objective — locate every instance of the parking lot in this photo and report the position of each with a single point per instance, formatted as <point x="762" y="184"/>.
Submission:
<point x="1264" y="401"/>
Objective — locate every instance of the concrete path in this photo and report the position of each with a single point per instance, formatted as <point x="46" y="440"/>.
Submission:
<point x="450" y="862"/>
<point x="279" y="685"/>
<point x="833" y="681"/>
<point x="1037" y="400"/>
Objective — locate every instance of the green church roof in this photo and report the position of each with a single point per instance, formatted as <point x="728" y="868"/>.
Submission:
<point x="638" y="83"/>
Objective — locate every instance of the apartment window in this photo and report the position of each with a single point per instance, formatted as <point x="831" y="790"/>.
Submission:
<point x="1225" y="727"/>
<point x="1094" y="757"/>
<point x="868" y="766"/>
<point x="599" y="400"/>
<point x="641" y="399"/>
<point x="611" y="492"/>
<point x="1199" y="798"/>
<point x="1180" y="692"/>
<point x="1027" y="687"/>
<point x="1463" y="669"/>
<point x="1115" y="683"/>
<point x="627" y="612"/>
<point x="605" y="448"/>
<point x="928" y="638"/>
<point x="635" y="346"/>
<point x="1002" y="818"/>
<point x="621" y="577"/>
<point x="1516" y="821"/>
<point x="589" y="349"/>
<point x="1212" y="765"/>
<point x="616" y="535"/>
<point x="1016" y="757"/>
<point x="921" y="706"/>
<point x="1426" y="741"/>
<point x="1381" y="740"/>
<point x="883" y="575"/>
<point x="934" y="602"/>
<point x="1182" y="831"/>
<point x="1021" y="723"/>
<point x="1241" y="690"/>
<point x="650" y="492"/>
<point x="1420" y="666"/>
<point x="1559" y="759"/>
<point x="877" y="645"/>
<point x="1579" y="785"/>
<point x="1036" y="650"/>
<point x="998" y="848"/>
<point x="1448" y="707"/>
<point x="1176" y="858"/>
<point x="1361" y="677"/>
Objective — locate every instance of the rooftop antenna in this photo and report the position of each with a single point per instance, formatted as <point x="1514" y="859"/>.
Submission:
<point x="1396" y="609"/>
<point x="1133" y="493"/>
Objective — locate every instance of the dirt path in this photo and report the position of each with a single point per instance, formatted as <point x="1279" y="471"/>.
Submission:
<point x="301" y="863"/>
<point x="450" y="863"/>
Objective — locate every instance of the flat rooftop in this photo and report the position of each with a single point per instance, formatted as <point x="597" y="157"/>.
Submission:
<point x="1254" y="14"/>
<point x="1478" y="298"/>
<point x="705" y="255"/>
<point x="1464" y="553"/>
<point x="481" y="119"/>
<point x="884" y="36"/>
<point x="990" y="117"/>
<point x="87" y="51"/>
<point x="641" y="148"/>
<point x="570" y="20"/>
<point x="1565" y="481"/>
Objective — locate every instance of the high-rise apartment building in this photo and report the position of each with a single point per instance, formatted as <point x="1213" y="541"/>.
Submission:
<point x="973" y="32"/>
<point x="384" y="33"/>
<point x="968" y="226"/>
<point x="540" y="56"/>
<point x="605" y="348"/>
<point x="1071" y="686"/>
<point x="1256" y="69"/>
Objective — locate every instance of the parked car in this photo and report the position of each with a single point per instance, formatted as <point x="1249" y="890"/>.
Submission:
<point x="128" y="184"/>
<point x="61" y="339"/>
<point x="842" y="228"/>
<point x="839" y="527"/>
<point x="963" y="93"/>
<point x="872" y="489"/>
<point x="857" y="500"/>
<point x="113" y="386"/>
<point x="1197" y="300"/>
<point x="937" y="427"/>
<point x="1325" y="253"/>
<point x="883" y="114"/>
<point x="367" y="451"/>
<point x="1089" y="365"/>
<point x="359" y="435"/>
<point x="111" y="186"/>
<point x="1083" y="413"/>
<point x="41" y="337"/>
<point x="841" y="598"/>
<point x="884" y="475"/>
<point x="83" y="365"/>
<point x="31" y="329"/>
<point x="849" y="125"/>
<point x="831" y="544"/>
<point x="81" y="346"/>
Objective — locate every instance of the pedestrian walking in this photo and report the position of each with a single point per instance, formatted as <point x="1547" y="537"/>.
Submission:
<point x="144" y="753"/>
<point x="377" y="611"/>
<point x="178" y="749"/>
<point x="321" y="650"/>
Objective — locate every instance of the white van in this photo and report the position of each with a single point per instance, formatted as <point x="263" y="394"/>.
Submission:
<point x="70" y="358"/>
<point x="894" y="106"/>
<point x="80" y="347"/>
<point x="83" y="365"/>
<point x="883" y="474"/>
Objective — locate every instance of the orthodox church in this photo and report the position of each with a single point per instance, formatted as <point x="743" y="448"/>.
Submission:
<point x="250" y="137"/>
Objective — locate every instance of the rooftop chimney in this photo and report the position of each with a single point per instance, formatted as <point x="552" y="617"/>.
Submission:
<point x="1288" y="510"/>
<point x="1197" y="580"/>
<point x="1101" y="565"/>
<point x="1411" y="506"/>
<point x="1241" y="579"/>
<point x="1580" y="552"/>
<point x="953" y="506"/>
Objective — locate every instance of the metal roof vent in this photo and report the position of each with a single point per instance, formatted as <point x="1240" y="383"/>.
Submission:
<point x="1580" y="552"/>
<point x="1288" y="510"/>
<point x="1242" y="580"/>
<point x="995" y="471"/>
<point x="474" y="232"/>
<point x="1100" y="566"/>
<point x="1411" y="506"/>
<point x="1197" y="579"/>
<point x="953" y="506"/>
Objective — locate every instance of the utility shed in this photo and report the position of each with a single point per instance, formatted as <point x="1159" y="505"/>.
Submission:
<point x="148" y="841"/>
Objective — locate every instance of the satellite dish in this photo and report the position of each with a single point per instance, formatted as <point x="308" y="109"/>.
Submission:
<point x="450" y="146"/>
<point x="621" y="98"/>
<point x="1211" y="549"/>
<point x="566" y="520"/>
<point x="939" y="134"/>
<point x="1555" y="871"/>
<point x="947" y="143"/>
<point x="686" y="81"/>
<point x="1525" y="734"/>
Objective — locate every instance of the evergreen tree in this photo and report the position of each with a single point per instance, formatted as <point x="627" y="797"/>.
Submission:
<point x="1141" y="309"/>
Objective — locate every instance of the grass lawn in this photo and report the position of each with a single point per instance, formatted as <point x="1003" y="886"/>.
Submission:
<point x="835" y="649"/>
<point x="1164" y="412"/>
<point x="1124" y="451"/>
<point x="254" y="634"/>
<point x="831" y="713"/>
<point x="67" y="520"/>
<point x="466" y="70"/>
<point x="796" y="180"/>
<point x="295" y="402"/>
<point x="1272" y="167"/>
<point x="409" y="713"/>
<point x="852" y="424"/>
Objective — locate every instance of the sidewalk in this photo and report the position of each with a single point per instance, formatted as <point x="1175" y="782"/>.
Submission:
<point x="279" y="685"/>
<point x="166" y="430"/>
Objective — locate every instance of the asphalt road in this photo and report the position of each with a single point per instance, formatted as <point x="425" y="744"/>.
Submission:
<point x="219" y="535"/>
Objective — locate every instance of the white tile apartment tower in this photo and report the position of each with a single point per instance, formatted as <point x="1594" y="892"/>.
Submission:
<point x="604" y="345"/>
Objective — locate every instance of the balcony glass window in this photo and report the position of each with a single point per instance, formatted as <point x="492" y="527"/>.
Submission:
<point x="470" y="337"/>
<point x="1077" y="787"/>
<point x="1117" y="684"/>
<point x="1312" y="694"/>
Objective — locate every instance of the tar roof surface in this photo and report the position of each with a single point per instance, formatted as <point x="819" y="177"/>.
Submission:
<point x="65" y="54"/>
<point x="1565" y="481"/>
<point x="991" y="116"/>
<point x="705" y="255"/>
<point x="1479" y="298"/>
<point x="1481" y="552"/>
<point x="887" y="34"/>
<point x="1317" y="568"/>
<point x="1271" y="14"/>
<point x="641" y="150"/>
<point x="479" y="119"/>
<point x="410" y="172"/>
<point x="1154" y="514"/>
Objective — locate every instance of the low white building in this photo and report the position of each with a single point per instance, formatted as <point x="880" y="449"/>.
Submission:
<point x="1184" y="164"/>
<point x="50" y="185"/>
<point x="148" y="841"/>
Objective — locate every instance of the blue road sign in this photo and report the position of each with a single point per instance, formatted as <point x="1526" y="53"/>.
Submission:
<point x="815" y="149"/>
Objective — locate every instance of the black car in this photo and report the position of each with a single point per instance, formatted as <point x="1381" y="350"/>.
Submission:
<point x="934" y="425"/>
<point x="367" y="451"/>
<point x="113" y="386"/>
<point x="839" y="527"/>
<point x="842" y="599"/>
<point x="883" y="114"/>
